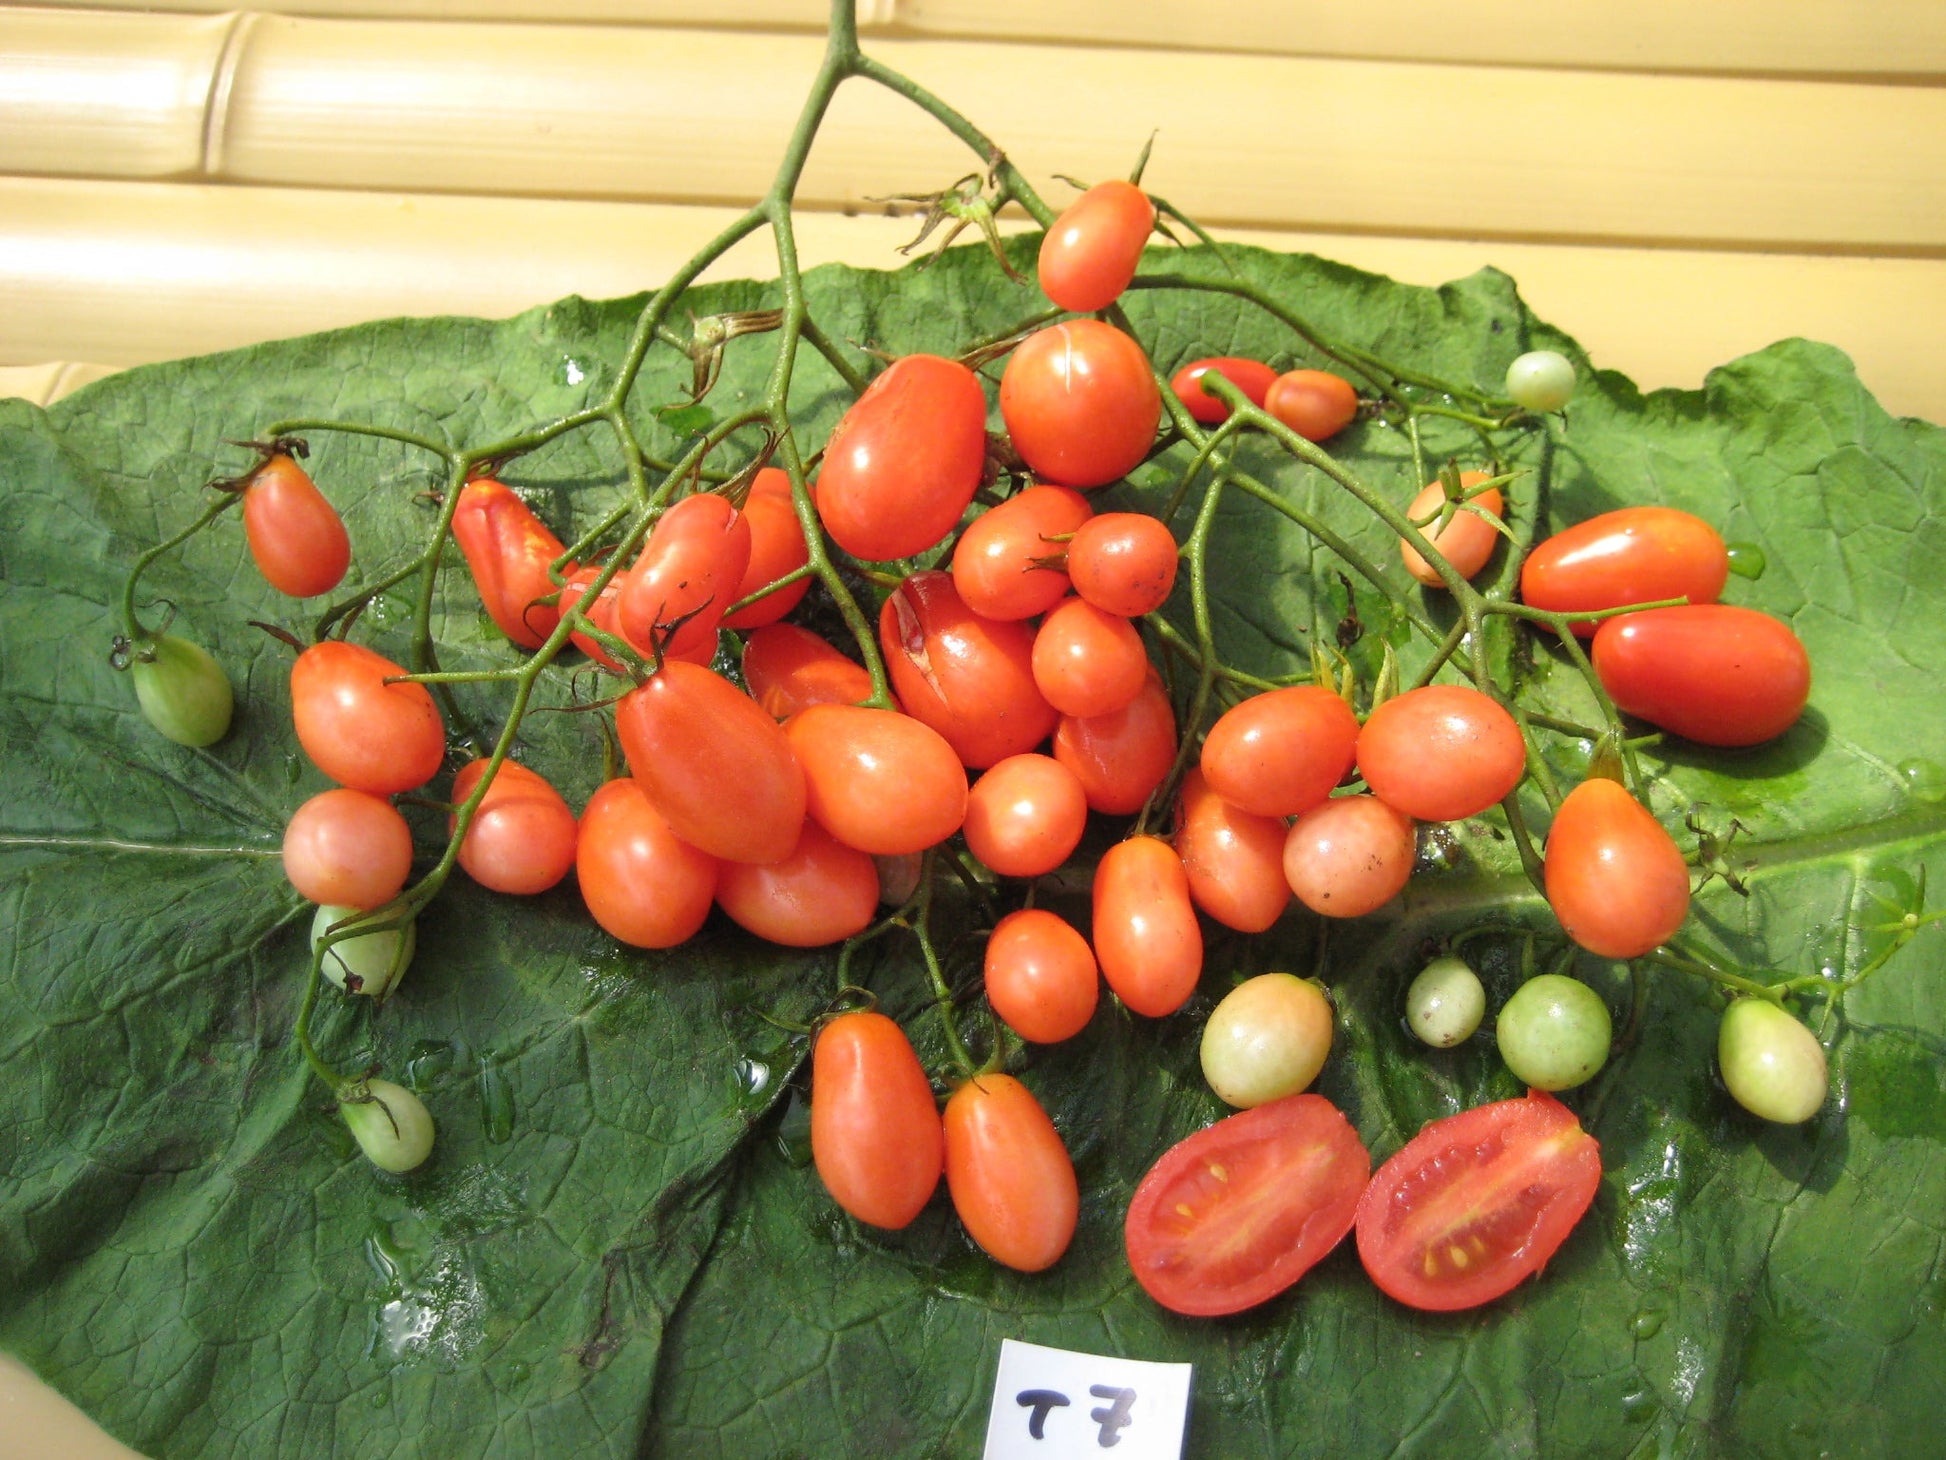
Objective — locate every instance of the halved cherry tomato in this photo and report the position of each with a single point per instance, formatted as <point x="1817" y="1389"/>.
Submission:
<point x="1466" y="541"/>
<point x="644" y="884"/>
<point x="822" y="892"/>
<point x="359" y="730"/>
<point x="1349" y="856"/>
<point x="1236" y="1213"/>
<point x="901" y="467"/>
<point x="1121" y="757"/>
<point x="1009" y="1173"/>
<point x="1025" y="815"/>
<point x="1476" y="1202"/>
<point x="1093" y="249"/>
<point x="1252" y="377"/>
<point x="1087" y="661"/>
<point x="1080" y="403"/>
<point x="776" y="550"/>
<point x="1233" y="858"/>
<point x="1709" y="672"/>
<point x="509" y="551"/>
<point x="1614" y="877"/>
<point x="1041" y="977"/>
<point x="878" y="780"/>
<point x="1001" y="562"/>
<point x="789" y="669"/>
<point x="522" y="836"/>
<point x="348" y="849"/>
<point x="1280" y="753"/>
<point x="1124" y="562"/>
<point x="1632" y="555"/>
<point x="1442" y="752"/>
<point x="876" y="1135"/>
<point x="295" y="535"/>
<point x="1314" y="403"/>
<point x="674" y="597"/>
<point x="1145" y="932"/>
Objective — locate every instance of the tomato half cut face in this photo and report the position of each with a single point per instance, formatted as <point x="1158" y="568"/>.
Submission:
<point x="1476" y="1202"/>
<point x="1238" y="1212"/>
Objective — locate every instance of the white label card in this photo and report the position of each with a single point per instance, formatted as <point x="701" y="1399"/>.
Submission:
<point x="1055" y="1404"/>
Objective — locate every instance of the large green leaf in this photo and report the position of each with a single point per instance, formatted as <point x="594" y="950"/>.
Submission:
<point x="616" y="1248"/>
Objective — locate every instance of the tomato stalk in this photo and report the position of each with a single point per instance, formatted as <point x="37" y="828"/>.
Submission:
<point x="209" y="514"/>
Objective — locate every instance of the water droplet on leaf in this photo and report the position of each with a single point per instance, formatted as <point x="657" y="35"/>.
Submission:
<point x="1747" y="560"/>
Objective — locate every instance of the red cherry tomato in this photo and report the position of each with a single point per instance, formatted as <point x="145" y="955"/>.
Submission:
<point x="714" y="764"/>
<point x="776" y="550"/>
<point x="1314" y="403"/>
<point x="1120" y="757"/>
<point x="1466" y="541"/>
<point x="1080" y="403"/>
<point x="1710" y="672"/>
<point x="674" y="597"/>
<point x="1041" y="977"/>
<point x="509" y="551"/>
<point x="295" y="535"/>
<point x="522" y="837"/>
<point x="1234" y="859"/>
<point x="878" y="780"/>
<point x="905" y="461"/>
<point x="1614" y="877"/>
<point x="823" y="892"/>
<point x="1476" y="1202"/>
<point x="876" y="1135"/>
<point x="1252" y="377"/>
<point x="789" y="669"/>
<point x="1633" y="555"/>
<point x="359" y="730"/>
<point x="1123" y="562"/>
<point x="1093" y="249"/>
<point x="1025" y="816"/>
<point x="347" y="848"/>
<point x="1000" y="564"/>
<point x="643" y="884"/>
<point x="1146" y="936"/>
<point x="1443" y="752"/>
<point x="1088" y="662"/>
<point x="970" y="678"/>
<point x="1349" y="856"/>
<point x="1009" y="1173"/>
<point x="1281" y="752"/>
<point x="1238" y="1212"/>
<point x="603" y="613"/>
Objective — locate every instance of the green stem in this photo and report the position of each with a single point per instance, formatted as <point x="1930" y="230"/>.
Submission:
<point x="222" y="504"/>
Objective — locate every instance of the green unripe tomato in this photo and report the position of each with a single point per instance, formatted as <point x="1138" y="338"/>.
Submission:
<point x="1445" y="1003"/>
<point x="391" y="1124"/>
<point x="182" y="690"/>
<point x="1772" y="1063"/>
<point x="1541" y="380"/>
<point x="370" y="963"/>
<point x="1267" y="1039"/>
<point x="1554" y="1032"/>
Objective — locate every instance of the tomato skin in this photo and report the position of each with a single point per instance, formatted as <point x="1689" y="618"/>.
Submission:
<point x="1614" y="877"/>
<point x="1122" y="756"/>
<point x="1632" y="555"/>
<point x="509" y="550"/>
<point x="348" y="848"/>
<point x="1041" y="977"/>
<point x="789" y="669"/>
<point x="876" y="1135"/>
<point x="1291" y="1175"/>
<point x="904" y="463"/>
<point x="1442" y="752"/>
<point x="1080" y="403"/>
<point x="1349" y="856"/>
<point x="359" y="730"/>
<point x="522" y="839"/>
<point x="1501" y="1184"/>
<point x="1009" y="1173"/>
<point x="641" y="882"/>
<point x="1252" y="377"/>
<point x="182" y="690"/>
<point x="1314" y="403"/>
<point x="1233" y="858"/>
<point x="295" y="535"/>
<point x="674" y="596"/>
<point x="999" y="561"/>
<point x="713" y="763"/>
<point x="1466" y="542"/>
<point x="1123" y="562"/>
<point x="1146" y="937"/>
<point x="878" y="780"/>
<point x="776" y="549"/>
<point x="1094" y="248"/>
<point x="1281" y="752"/>
<point x="1025" y="815"/>
<point x="822" y="892"/>
<point x="602" y="613"/>
<point x="1088" y="662"/>
<point x="1709" y="672"/>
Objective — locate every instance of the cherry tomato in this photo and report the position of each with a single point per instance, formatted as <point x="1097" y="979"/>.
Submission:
<point x="522" y="837"/>
<point x="1633" y="555"/>
<point x="1093" y="249"/>
<point x="1349" y="856"/>
<point x="603" y="613"/>
<point x="1123" y="562"/>
<point x="182" y="690"/>
<point x="1252" y="377"/>
<point x="876" y="1135"/>
<point x="789" y="669"/>
<point x="1614" y="877"/>
<point x="642" y="883"/>
<point x="674" y="597"/>
<point x="348" y="848"/>
<point x="970" y="678"/>
<point x="1233" y="858"/>
<point x="509" y="551"/>
<point x="1466" y="541"/>
<point x="295" y="535"/>
<point x="905" y="461"/>
<point x="1476" y="1202"/>
<point x="1120" y="757"/>
<point x="823" y="892"/>
<point x="1314" y="403"/>
<point x="391" y="1125"/>
<point x="1280" y="753"/>
<point x="1772" y="1064"/>
<point x="1001" y="563"/>
<point x="1041" y="977"/>
<point x="1080" y="403"/>
<point x="1146" y="936"/>
<point x="1238" y="1212"/>
<point x="1088" y="662"/>
<point x="878" y="780"/>
<point x="1442" y="752"/>
<point x="776" y="550"/>
<point x="359" y="730"/>
<point x="1009" y="1173"/>
<point x="1025" y="815"/>
<point x="1710" y="672"/>
<point x="714" y="764"/>
<point x="1267" y="1038"/>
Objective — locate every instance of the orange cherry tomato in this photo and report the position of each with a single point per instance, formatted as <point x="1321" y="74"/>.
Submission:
<point x="1349" y="856"/>
<point x="1086" y="661"/>
<point x="522" y="836"/>
<point x="1281" y="752"/>
<point x="776" y="550"/>
<point x="1709" y="672"/>
<point x="878" y="780"/>
<point x="1614" y="877"/>
<point x="1252" y="377"/>
<point x="1632" y="555"/>
<point x="295" y="535"/>
<point x="509" y="551"/>
<point x="1080" y="403"/>
<point x="1041" y="976"/>
<point x="1233" y="858"/>
<point x="1466" y="541"/>
<point x="1123" y="562"/>
<point x="1000" y="564"/>
<point x="823" y="892"/>
<point x="1122" y="756"/>
<point x="641" y="882"/>
<point x="348" y="849"/>
<point x="1091" y="252"/>
<point x="675" y="595"/>
<point x="1146" y="936"/>
<point x="1314" y="403"/>
<point x="1025" y="815"/>
<point x="876" y="1135"/>
<point x="359" y="730"/>
<point x="789" y="669"/>
<point x="1009" y="1173"/>
<point x="1442" y="752"/>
